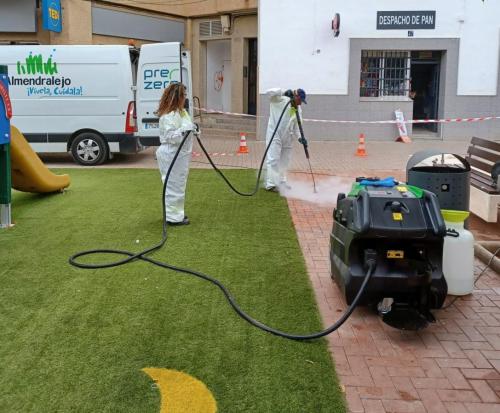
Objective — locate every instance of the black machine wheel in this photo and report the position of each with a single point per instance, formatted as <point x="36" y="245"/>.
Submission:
<point x="89" y="148"/>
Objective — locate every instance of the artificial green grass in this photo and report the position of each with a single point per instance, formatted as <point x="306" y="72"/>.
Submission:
<point x="75" y="340"/>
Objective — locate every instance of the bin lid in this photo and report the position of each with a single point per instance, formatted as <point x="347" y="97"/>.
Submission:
<point x="455" y="216"/>
<point x="435" y="159"/>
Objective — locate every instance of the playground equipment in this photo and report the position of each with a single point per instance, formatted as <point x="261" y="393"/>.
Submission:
<point x="20" y="166"/>
<point x="29" y="174"/>
<point x="5" y="178"/>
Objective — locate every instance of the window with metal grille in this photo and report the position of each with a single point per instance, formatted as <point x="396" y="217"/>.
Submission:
<point x="385" y="73"/>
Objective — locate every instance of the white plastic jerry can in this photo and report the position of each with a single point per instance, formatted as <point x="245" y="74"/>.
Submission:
<point x="458" y="254"/>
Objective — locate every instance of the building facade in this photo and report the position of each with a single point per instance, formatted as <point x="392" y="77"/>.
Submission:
<point x="430" y="59"/>
<point x="221" y="35"/>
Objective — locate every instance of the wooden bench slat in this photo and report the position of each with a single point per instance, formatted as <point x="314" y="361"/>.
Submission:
<point x="480" y="165"/>
<point x="482" y="173"/>
<point x="482" y="177"/>
<point x="487" y="189"/>
<point x="494" y="146"/>
<point x="484" y="194"/>
<point x="490" y="156"/>
<point x="483" y="181"/>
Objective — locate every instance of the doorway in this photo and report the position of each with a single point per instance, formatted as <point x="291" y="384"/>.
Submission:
<point x="219" y="75"/>
<point x="424" y="88"/>
<point x="252" y="76"/>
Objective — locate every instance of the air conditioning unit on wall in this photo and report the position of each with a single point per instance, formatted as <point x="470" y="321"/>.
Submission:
<point x="211" y="28"/>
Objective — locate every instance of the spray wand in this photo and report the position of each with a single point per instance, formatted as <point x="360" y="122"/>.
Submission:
<point x="303" y="140"/>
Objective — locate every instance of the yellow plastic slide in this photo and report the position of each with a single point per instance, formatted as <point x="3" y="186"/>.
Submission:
<point x="29" y="174"/>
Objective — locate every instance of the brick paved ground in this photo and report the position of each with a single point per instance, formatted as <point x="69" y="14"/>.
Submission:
<point x="452" y="366"/>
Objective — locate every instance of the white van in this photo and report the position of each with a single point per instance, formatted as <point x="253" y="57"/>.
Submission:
<point x="91" y="100"/>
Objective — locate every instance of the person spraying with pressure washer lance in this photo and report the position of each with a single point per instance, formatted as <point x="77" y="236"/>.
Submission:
<point x="282" y="132"/>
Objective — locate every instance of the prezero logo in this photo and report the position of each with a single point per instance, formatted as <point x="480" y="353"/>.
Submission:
<point x="155" y="79"/>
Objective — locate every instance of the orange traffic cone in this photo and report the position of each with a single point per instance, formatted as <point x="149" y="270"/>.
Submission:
<point x="243" y="144"/>
<point x="361" y="151"/>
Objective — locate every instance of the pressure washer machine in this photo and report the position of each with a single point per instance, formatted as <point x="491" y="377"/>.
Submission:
<point x="402" y="229"/>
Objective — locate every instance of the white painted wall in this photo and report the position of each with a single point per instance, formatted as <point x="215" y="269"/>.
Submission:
<point x="219" y="61"/>
<point x="297" y="47"/>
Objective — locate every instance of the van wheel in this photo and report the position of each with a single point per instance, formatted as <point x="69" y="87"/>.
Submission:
<point x="89" y="148"/>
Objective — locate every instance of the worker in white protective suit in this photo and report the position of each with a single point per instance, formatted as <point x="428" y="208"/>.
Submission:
<point x="279" y="155"/>
<point x="174" y="123"/>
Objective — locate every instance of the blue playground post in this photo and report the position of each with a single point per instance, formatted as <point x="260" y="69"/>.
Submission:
<point x="5" y="172"/>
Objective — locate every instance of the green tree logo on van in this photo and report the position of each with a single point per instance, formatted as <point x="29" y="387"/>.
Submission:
<point x="34" y="64"/>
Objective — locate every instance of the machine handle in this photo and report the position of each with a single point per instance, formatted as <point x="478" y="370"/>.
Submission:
<point x="401" y="206"/>
<point x="363" y="204"/>
<point x="434" y="213"/>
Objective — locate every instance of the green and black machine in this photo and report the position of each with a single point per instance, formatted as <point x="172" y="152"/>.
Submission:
<point x="401" y="226"/>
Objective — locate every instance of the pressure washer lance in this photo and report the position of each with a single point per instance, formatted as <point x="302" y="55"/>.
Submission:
<point x="303" y="139"/>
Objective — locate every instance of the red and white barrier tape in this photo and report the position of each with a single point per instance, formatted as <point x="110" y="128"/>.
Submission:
<point x="219" y="112"/>
<point x="376" y="122"/>
<point x="450" y="120"/>
<point x="198" y="154"/>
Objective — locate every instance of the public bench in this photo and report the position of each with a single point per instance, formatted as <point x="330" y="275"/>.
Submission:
<point x="482" y="155"/>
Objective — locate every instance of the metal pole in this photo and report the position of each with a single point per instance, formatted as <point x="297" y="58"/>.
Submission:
<point x="5" y="187"/>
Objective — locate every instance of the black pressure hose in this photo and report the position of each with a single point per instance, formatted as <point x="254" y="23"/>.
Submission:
<point x="132" y="256"/>
<point x="142" y="255"/>
<point x="233" y="188"/>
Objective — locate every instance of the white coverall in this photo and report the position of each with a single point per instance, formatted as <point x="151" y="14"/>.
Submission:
<point x="172" y="128"/>
<point x="280" y="151"/>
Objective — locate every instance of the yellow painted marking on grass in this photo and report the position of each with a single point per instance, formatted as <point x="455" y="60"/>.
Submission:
<point x="181" y="393"/>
